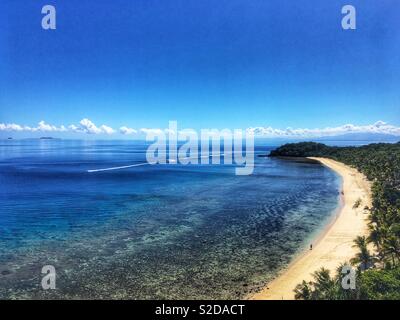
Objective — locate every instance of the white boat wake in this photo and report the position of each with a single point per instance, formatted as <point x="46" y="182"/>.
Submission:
<point x="147" y="163"/>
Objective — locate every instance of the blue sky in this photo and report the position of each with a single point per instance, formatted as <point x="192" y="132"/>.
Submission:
<point x="206" y="64"/>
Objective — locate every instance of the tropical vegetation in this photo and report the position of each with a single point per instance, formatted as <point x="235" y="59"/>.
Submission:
<point x="378" y="270"/>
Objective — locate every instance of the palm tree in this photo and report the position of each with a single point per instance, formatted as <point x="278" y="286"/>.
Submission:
<point x="363" y="258"/>
<point x="375" y="235"/>
<point x="303" y="291"/>
<point x="324" y="285"/>
<point x="391" y="246"/>
<point x="360" y="242"/>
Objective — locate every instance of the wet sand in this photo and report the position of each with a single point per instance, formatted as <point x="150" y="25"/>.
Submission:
<point x="334" y="245"/>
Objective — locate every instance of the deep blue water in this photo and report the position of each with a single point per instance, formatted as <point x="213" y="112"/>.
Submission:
<point x="162" y="231"/>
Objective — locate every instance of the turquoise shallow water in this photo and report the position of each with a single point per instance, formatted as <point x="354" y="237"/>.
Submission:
<point x="174" y="231"/>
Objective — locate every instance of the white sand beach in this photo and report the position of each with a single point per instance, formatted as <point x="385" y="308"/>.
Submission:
<point x="335" y="244"/>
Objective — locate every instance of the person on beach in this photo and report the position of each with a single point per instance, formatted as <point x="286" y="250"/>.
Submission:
<point x="311" y="246"/>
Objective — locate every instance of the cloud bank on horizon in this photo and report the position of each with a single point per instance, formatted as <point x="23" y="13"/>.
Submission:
<point x="86" y="126"/>
<point x="380" y="127"/>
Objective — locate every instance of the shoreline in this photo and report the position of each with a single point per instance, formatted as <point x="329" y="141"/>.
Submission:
<point x="333" y="245"/>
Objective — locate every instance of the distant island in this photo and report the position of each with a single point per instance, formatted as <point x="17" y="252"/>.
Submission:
<point x="46" y="138"/>
<point x="378" y="254"/>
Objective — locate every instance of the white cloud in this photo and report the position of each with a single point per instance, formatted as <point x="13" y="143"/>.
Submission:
<point x="151" y="131"/>
<point x="377" y="127"/>
<point x="85" y="126"/>
<point x="73" y="127"/>
<point x="126" y="130"/>
<point x="107" y="129"/>
<point x="88" y="127"/>
<point x="42" y="126"/>
<point x="10" y="127"/>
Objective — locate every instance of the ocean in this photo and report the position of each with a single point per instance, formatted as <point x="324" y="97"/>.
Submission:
<point x="151" y="232"/>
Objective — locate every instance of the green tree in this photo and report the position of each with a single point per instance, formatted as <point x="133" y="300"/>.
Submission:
<point x="363" y="258"/>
